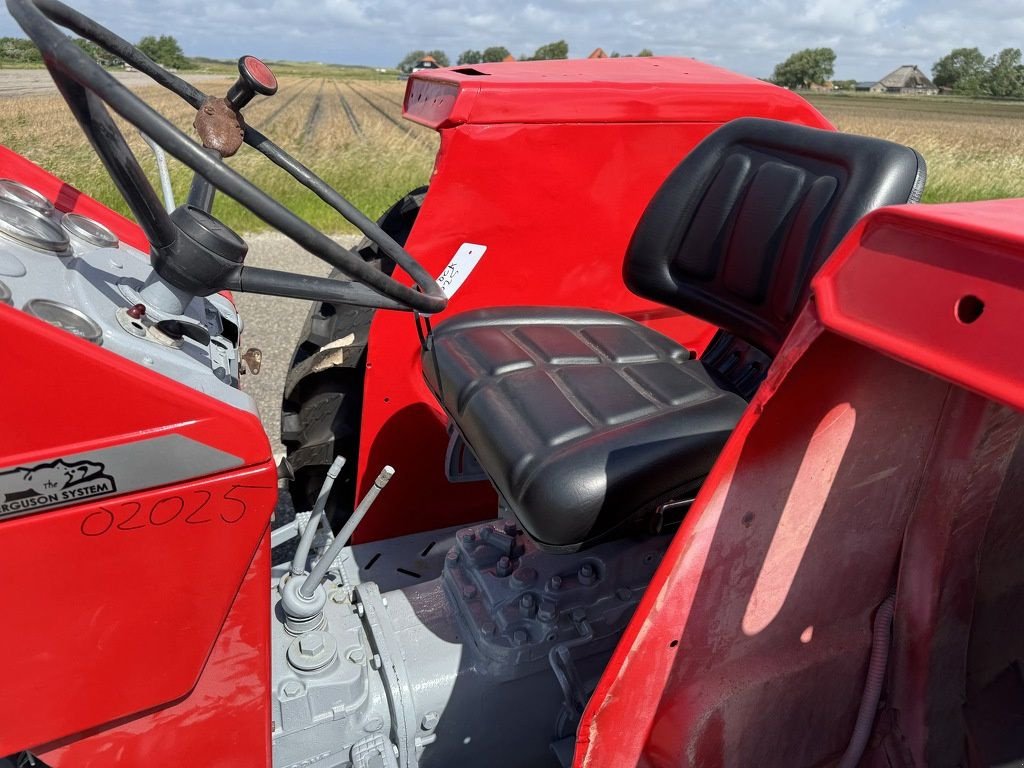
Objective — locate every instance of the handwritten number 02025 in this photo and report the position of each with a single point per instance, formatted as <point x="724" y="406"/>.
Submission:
<point x="189" y="509"/>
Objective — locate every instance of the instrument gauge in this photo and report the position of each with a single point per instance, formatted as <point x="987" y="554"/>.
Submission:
<point x="32" y="228"/>
<point x="66" y="318"/>
<point x="18" y="193"/>
<point x="88" y="230"/>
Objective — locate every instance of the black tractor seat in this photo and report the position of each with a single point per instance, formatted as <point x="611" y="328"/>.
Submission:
<point x="587" y="422"/>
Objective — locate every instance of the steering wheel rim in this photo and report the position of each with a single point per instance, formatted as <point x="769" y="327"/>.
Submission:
<point x="88" y="90"/>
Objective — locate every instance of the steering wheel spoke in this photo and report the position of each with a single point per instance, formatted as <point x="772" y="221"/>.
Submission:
<point x="89" y="90"/>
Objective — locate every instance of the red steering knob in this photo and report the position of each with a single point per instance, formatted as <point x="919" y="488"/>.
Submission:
<point x="254" y="77"/>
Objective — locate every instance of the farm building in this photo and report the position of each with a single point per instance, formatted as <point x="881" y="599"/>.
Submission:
<point x="598" y="54"/>
<point x="907" y="79"/>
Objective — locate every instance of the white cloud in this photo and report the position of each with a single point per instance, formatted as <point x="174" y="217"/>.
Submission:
<point x="869" y="36"/>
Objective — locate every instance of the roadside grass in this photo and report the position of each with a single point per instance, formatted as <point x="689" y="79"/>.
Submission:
<point x="373" y="168"/>
<point x="974" y="149"/>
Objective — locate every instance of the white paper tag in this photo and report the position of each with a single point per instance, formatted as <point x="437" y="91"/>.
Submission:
<point x="463" y="262"/>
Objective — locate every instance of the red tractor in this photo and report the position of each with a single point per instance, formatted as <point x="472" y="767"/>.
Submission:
<point x="706" y="442"/>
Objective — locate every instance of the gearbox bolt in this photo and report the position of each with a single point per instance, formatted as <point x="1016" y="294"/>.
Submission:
<point x="312" y="651"/>
<point x="519" y="637"/>
<point x="429" y="721"/>
<point x="488" y="628"/>
<point x="527" y="605"/>
<point x="311" y="644"/>
<point x="555" y="583"/>
<point x="292" y="688"/>
<point x="357" y="656"/>
<point x="504" y="566"/>
<point x="587" y="574"/>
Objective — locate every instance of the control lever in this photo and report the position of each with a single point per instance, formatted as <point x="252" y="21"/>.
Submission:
<point x="220" y="125"/>
<point x="254" y="77"/>
<point x="303" y="599"/>
<point x="316" y="576"/>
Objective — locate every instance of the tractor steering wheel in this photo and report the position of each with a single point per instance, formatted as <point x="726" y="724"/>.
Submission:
<point x="191" y="250"/>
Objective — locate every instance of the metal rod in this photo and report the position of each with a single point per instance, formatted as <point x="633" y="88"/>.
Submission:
<point x="320" y="569"/>
<point x="162" y="171"/>
<point x="306" y="542"/>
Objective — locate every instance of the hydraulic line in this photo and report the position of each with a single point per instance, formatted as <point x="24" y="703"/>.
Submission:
<point x="873" y="686"/>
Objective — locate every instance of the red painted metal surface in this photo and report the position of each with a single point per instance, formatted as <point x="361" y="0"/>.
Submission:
<point x="636" y="90"/>
<point x="555" y="195"/>
<point x="113" y="619"/>
<point x="769" y="587"/>
<point x="223" y="722"/>
<point x="67" y="198"/>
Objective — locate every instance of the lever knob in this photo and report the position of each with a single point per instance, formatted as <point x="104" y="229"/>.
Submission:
<point x="254" y="77"/>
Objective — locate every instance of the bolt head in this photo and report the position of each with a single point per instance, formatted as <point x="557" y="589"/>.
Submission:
<point x="469" y="591"/>
<point x="520" y="637"/>
<point x="527" y="601"/>
<point x="623" y="594"/>
<point x="555" y="583"/>
<point x="587" y="574"/>
<point x="373" y="724"/>
<point x="510" y="528"/>
<point x="488" y="628"/>
<point x="311" y="644"/>
<point x="357" y="656"/>
<point x="292" y="688"/>
<point x="430" y="721"/>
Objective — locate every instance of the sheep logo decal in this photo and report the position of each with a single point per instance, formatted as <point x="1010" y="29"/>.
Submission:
<point x="26" y="489"/>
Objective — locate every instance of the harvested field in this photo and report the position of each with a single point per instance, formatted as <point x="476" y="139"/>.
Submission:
<point x="974" y="149"/>
<point x="350" y="130"/>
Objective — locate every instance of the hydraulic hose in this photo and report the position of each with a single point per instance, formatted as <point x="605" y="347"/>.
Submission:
<point x="306" y="542"/>
<point x="873" y="686"/>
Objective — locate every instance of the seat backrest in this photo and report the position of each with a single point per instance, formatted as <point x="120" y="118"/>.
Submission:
<point x="736" y="232"/>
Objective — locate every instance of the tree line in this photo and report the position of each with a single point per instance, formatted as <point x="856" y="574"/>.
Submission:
<point x="556" y="50"/>
<point x="964" y="71"/>
<point x="164" y="50"/>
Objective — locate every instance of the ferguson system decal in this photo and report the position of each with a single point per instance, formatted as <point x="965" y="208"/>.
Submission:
<point x="61" y="482"/>
<point x="26" y="489"/>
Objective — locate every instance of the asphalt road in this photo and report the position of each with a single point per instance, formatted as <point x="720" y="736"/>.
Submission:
<point x="272" y="325"/>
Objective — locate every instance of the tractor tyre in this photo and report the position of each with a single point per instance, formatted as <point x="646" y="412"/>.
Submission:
<point x="322" y="402"/>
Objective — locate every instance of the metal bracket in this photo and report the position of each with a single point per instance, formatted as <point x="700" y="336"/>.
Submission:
<point x="374" y="752"/>
<point x="460" y="463"/>
<point x="391" y="663"/>
<point x="575" y="697"/>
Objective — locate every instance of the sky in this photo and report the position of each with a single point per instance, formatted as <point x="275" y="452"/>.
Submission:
<point x="870" y="37"/>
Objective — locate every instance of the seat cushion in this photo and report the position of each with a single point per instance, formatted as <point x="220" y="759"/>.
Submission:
<point x="583" y="420"/>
